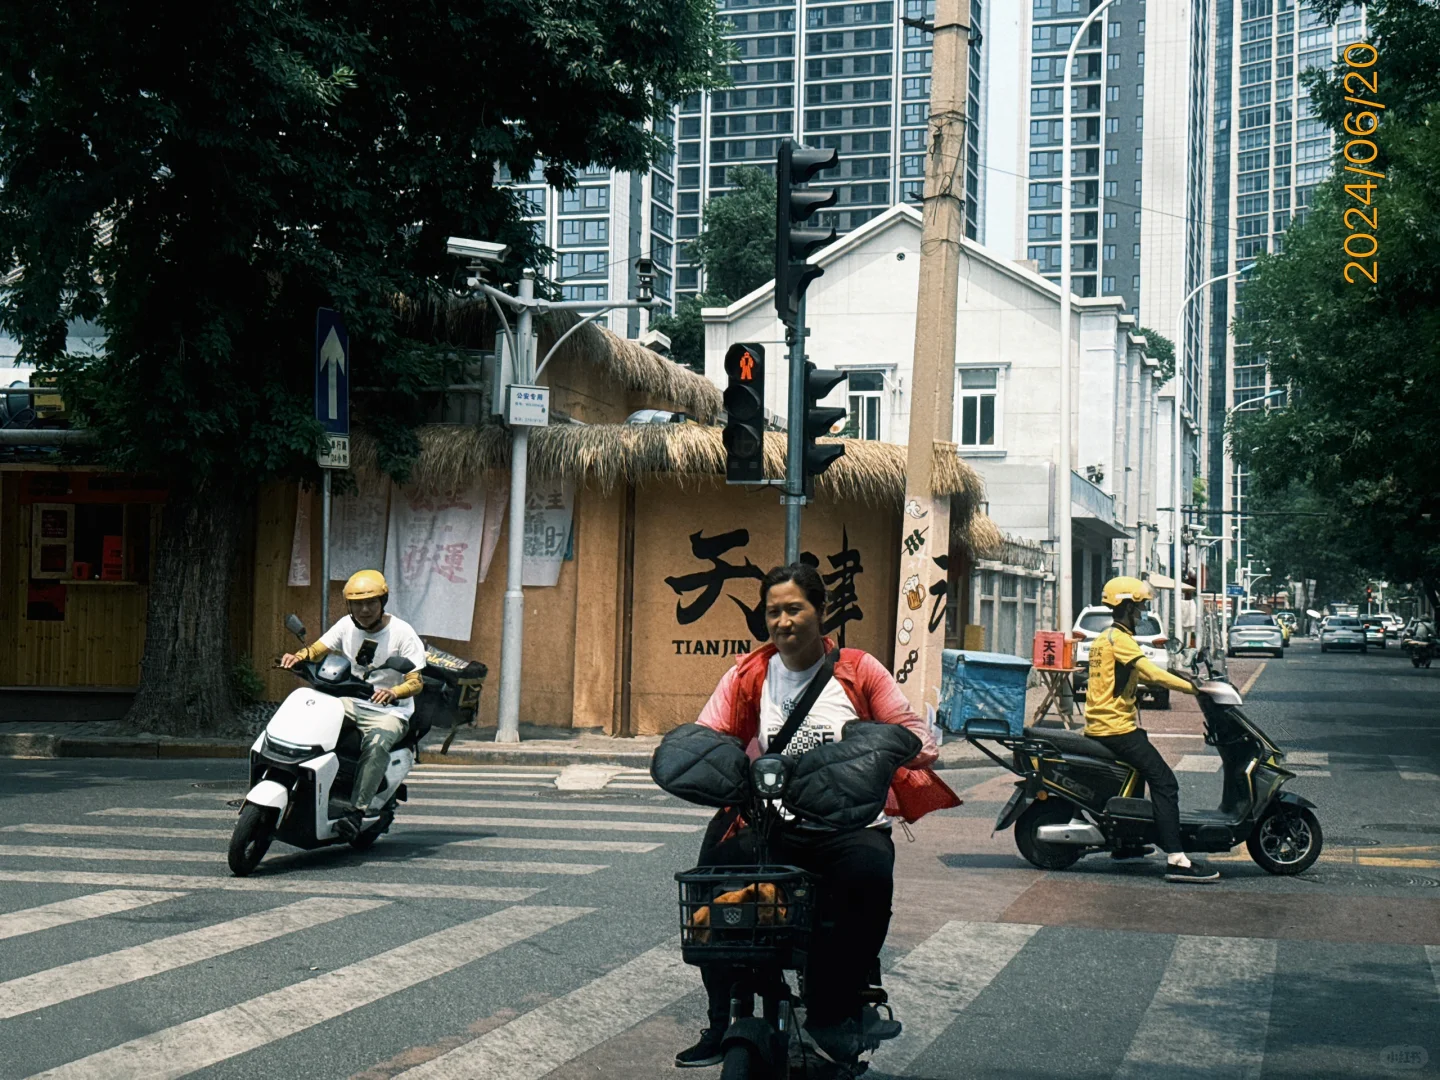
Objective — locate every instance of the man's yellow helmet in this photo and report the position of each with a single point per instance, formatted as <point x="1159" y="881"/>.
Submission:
<point x="366" y="585"/>
<point x="1121" y="589"/>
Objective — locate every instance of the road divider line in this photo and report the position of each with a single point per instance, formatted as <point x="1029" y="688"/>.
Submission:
<point x="1432" y="953"/>
<point x="423" y="862"/>
<point x="457" y="822"/>
<point x="274" y="883"/>
<point x="937" y="980"/>
<point x="64" y="912"/>
<point x="30" y="993"/>
<point x="1210" y="1013"/>
<point x="564" y="807"/>
<point x="148" y="832"/>
<point x="553" y="843"/>
<point x="545" y="1038"/>
<point x="1253" y="676"/>
<point x="226" y="1033"/>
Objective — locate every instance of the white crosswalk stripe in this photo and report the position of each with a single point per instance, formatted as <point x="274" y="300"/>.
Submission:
<point x="50" y="987"/>
<point x="1210" y="1014"/>
<point x="939" y="979"/>
<point x="555" y="843"/>
<point x="276" y="883"/>
<point x="198" y="1043"/>
<point x="563" y="824"/>
<point x="148" y="832"/>
<point x="1415" y="769"/>
<point x="571" y="807"/>
<point x="1201" y="763"/>
<point x="63" y="912"/>
<point x="545" y="1038"/>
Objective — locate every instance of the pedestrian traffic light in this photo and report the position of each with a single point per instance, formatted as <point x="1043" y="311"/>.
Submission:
<point x="818" y="421"/>
<point x="796" y="164"/>
<point x="744" y="436"/>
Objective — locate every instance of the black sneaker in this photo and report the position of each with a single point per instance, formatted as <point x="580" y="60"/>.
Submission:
<point x="347" y="826"/>
<point x="838" y="1043"/>
<point x="704" y="1052"/>
<point x="1194" y="872"/>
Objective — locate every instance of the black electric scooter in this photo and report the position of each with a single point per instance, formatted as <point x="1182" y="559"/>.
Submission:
<point x="1074" y="797"/>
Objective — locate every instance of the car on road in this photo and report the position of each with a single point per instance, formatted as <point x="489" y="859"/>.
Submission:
<point x="1374" y="629"/>
<point x="1252" y="632"/>
<point x="1149" y="635"/>
<point x="1394" y="625"/>
<point x="1288" y="623"/>
<point x="1342" y="632"/>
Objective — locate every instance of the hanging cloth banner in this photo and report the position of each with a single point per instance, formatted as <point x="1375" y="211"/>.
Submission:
<point x="300" y="544"/>
<point x="548" y="508"/>
<point x="357" y="532"/>
<point x="432" y="560"/>
<point x="497" y="499"/>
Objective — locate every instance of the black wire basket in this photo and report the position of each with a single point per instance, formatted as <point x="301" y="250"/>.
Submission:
<point x="752" y="915"/>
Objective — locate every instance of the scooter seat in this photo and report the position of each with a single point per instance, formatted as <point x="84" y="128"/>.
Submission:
<point x="1072" y="742"/>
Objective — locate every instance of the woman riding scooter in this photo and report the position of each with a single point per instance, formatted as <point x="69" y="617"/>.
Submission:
<point x="752" y="703"/>
<point x="1117" y="667"/>
<point x="368" y="637"/>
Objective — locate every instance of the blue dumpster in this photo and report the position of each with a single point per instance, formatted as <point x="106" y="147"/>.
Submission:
<point x="982" y="693"/>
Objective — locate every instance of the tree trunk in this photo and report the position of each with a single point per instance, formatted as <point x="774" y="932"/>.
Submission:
<point x="185" y="685"/>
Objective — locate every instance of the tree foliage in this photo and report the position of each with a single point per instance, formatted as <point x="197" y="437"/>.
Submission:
<point x="1160" y="348"/>
<point x="737" y="251"/>
<point x="1362" y="359"/>
<point x="1299" y="538"/>
<point x="200" y="194"/>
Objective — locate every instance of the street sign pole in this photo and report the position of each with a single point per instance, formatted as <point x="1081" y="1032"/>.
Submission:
<point x="332" y="409"/>
<point x="794" y="488"/>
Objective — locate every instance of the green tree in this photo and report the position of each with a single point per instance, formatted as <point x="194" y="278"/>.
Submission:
<point x="200" y="194"/>
<point x="1160" y="348"/>
<point x="736" y="250"/>
<point x="1361" y="358"/>
<point x="1299" y="537"/>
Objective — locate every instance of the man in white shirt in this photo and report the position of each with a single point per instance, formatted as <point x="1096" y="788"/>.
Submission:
<point x="368" y="637"/>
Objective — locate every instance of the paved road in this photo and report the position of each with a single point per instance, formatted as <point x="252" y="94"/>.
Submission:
<point x="511" y="929"/>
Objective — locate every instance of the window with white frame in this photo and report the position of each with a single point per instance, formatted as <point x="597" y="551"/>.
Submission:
<point x="977" y="418"/>
<point x="863" y="403"/>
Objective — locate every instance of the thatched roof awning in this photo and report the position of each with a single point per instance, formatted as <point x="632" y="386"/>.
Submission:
<point x="604" y="456"/>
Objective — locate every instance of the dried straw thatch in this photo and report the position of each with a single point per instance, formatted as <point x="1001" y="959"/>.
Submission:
<point x="604" y="456"/>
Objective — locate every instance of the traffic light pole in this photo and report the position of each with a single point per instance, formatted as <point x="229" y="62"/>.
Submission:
<point x="794" y="490"/>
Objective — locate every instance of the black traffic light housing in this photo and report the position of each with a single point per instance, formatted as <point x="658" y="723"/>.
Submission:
<point x="744" y="414"/>
<point x="796" y="164"/>
<point x="818" y="421"/>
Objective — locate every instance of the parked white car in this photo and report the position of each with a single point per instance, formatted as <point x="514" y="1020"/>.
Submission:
<point x="1149" y="635"/>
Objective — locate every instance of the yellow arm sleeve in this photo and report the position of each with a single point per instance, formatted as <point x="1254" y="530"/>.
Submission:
<point x="317" y="651"/>
<point x="1156" y="676"/>
<point x="411" y="685"/>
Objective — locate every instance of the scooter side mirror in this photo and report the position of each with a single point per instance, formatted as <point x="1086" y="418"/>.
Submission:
<point x="295" y="626"/>
<point x="1172" y="645"/>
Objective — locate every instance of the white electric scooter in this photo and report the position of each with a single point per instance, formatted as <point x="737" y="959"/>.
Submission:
<point x="303" y="764"/>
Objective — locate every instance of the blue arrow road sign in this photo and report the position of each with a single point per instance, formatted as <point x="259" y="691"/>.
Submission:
<point x="1234" y="590"/>
<point x="332" y="372"/>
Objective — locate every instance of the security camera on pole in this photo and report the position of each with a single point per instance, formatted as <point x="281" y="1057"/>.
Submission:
<point x="526" y="404"/>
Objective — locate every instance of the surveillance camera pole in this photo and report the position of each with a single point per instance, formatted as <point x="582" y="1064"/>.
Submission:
<point x="512" y="633"/>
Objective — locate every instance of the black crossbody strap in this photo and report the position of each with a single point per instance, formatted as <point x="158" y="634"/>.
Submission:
<point x="803" y="706"/>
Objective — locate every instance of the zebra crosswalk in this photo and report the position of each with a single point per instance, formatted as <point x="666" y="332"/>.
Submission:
<point x="531" y="936"/>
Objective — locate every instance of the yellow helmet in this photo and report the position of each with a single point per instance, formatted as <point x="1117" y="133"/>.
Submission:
<point x="366" y="585"/>
<point x="1120" y="589"/>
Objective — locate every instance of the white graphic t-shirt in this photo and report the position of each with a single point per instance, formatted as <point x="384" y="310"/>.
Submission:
<point x="367" y="650"/>
<point x="783" y="688"/>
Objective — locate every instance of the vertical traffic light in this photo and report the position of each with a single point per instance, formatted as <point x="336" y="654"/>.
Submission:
<point x="797" y="164"/>
<point x="818" y="422"/>
<point x="744" y="414"/>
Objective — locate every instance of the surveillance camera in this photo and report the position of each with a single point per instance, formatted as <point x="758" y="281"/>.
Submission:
<point x="482" y="250"/>
<point x="644" y="268"/>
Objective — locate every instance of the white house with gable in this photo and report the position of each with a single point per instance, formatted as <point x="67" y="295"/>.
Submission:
<point x="861" y="316"/>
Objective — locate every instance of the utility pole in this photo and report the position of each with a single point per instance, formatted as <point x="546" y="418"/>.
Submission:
<point x="925" y="524"/>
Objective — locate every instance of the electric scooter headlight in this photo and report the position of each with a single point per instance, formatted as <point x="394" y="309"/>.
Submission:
<point x="770" y="774"/>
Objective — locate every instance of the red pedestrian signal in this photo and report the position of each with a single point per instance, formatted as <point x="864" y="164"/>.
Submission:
<point x="744" y="435"/>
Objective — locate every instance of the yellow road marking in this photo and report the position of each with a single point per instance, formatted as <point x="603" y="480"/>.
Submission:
<point x="1251" y="680"/>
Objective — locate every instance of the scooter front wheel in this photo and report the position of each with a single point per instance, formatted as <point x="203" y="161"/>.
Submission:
<point x="251" y="838"/>
<point x="1287" y="840"/>
<point x="739" y="1065"/>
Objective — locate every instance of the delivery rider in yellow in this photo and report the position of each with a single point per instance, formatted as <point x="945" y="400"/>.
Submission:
<point x="1117" y="668"/>
<point x="368" y="637"/>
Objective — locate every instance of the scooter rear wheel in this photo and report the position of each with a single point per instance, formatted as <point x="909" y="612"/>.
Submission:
<point x="1287" y="840"/>
<point x="1042" y="853"/>
<point x="251" y="838"/>
<point x="739" y="1065"/>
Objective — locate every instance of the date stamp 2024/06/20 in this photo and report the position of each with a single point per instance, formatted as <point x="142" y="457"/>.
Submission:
<point x="1360" y="152"/>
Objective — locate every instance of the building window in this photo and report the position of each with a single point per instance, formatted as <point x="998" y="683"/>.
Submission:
<point x="1139" y="123"/>
<point x="866" y="390"/>
<point x="1139" y="154"/>
<point x="1135" y="251"/>
<point x="1112" y="157"/>
<point x="1112" y="187"/>
<point x="978" y="415"/>
<point x="1110" y="221"/>
<point x="1137" y="217"/>
<point x="1112" y="93"/>
<point x="1135" y="282"/>
<point x="1137" y="185"/>
<point x="1107" y="285"/>
<point x="1112" y="125"/>
<point x="1140" y="59"/>
<point x="534" y="202"/>
<point x="1109" y="252"/>
<point x="574" y="233"/>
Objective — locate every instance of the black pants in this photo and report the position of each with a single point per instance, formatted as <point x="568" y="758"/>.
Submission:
<point x="852" y="917"/>
<point x="1134" y="748"/>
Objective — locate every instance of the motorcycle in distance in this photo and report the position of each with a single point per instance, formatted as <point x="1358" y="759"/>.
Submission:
<point x="303" y="763"/>
<point x="1075" y="798"/>
<point x="756" y="920"/>
<point x="1420" y="652"/>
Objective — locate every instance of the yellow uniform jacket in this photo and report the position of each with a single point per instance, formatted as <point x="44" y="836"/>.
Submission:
<point x="1117" y="667"/>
